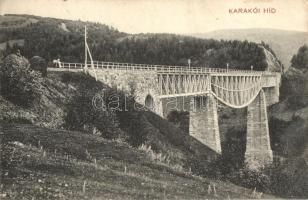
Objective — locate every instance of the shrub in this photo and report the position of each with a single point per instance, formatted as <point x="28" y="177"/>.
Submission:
<point x="82" y="115"/>
<point x="159" y="157"/>
<point x="255" y="179"/>
<point x="19" y="84"/>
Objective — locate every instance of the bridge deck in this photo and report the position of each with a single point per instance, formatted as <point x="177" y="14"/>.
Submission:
<point x="162" y="69"/>
<point x="235" y="88"/>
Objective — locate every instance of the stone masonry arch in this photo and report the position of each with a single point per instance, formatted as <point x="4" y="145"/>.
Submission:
<point x="149" y="102"/>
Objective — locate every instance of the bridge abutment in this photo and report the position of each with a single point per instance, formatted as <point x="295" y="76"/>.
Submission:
<point x="258" y="149"/>
<point x="203" y="121"/>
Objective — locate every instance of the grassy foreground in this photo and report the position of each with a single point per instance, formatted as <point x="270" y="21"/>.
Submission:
<point x="41" y="163"/>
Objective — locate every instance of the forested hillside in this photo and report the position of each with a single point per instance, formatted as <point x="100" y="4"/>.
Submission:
<point x="284" y="43"/>
<point x="56" y="38"/>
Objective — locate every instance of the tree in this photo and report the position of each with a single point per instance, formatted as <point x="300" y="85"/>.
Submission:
<point x="19" y="84"/>
<point x="300" y="60"/>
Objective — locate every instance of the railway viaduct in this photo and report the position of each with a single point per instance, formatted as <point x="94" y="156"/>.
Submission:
<point x="198" y="90"/>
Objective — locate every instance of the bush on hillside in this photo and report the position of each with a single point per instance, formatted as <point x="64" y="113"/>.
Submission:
<point x="82" y="116"/>
<point x="255" y="179"/>
<point x="18" y="82"/>
<point x="84" y="111"/>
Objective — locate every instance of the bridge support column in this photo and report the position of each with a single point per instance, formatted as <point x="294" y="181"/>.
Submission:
<point x="159" y="109"/>
<point x="258" y="149"/>
<point x="203" y="121"/>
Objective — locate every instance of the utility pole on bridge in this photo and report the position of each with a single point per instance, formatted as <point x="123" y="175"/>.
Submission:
<point x="86" y="51"/>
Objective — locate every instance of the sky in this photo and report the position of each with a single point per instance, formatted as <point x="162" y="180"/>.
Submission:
<point x="170" y="16"/>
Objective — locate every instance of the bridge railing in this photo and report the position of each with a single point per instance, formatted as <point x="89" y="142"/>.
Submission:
<point x="146" y="67"/>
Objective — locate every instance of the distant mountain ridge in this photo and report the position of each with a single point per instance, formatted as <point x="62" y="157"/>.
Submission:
<point x="285" y="43"/>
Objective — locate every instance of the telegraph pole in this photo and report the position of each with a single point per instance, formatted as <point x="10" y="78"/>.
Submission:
<point x="85" y="49"/>
<point x="86" y="52"/>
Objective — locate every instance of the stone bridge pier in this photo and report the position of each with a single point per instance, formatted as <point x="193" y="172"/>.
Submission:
<point x="203" y="125"/>
<point x="203" y="121"/>
<point x="258" y="147"/>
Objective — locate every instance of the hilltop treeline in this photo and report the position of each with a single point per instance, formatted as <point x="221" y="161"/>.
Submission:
<point x="54" y="38"/>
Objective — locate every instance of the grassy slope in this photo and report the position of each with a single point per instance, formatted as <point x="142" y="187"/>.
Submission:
<point x="51" y="163"/>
